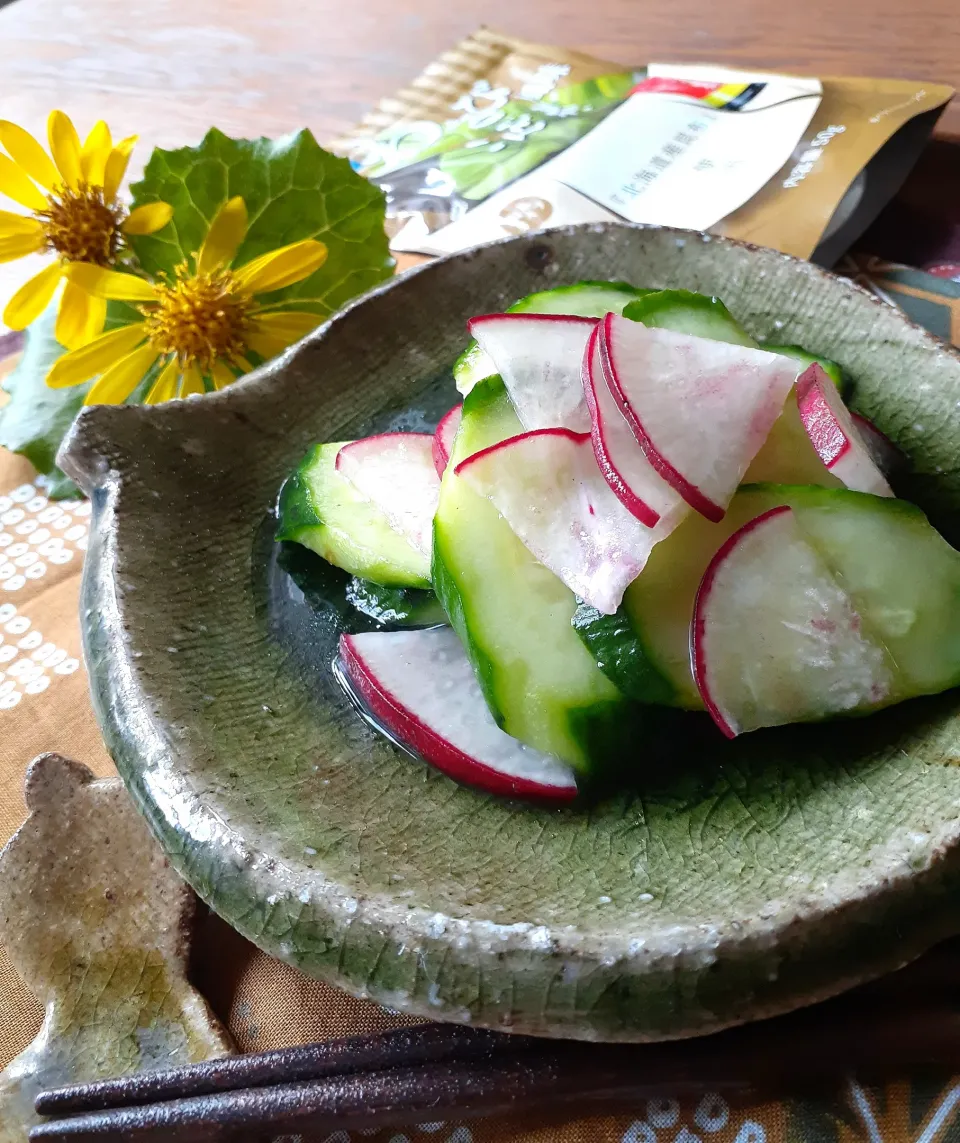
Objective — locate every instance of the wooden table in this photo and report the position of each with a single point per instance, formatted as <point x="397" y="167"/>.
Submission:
<point x="168" y="69"/>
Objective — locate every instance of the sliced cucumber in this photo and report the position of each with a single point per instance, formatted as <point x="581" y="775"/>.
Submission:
<point x="646" y="653"/>
<point x="901" y="574"/>
<point x="321" y="510"/>
<point x="395" y="606"/>
<point x="683" y="311"/>
<point x="513" y="615"/>
<point x="619" y="652"/>
<point x="831" y="368"/>
<point x="356" y="604"/>
<point x="585" y="299"/>
<point x="582" y="299"/>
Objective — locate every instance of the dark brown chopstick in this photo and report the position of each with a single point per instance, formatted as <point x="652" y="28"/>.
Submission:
<point x="397" y="1097"/>
<point x="741" y="1063"/>
<point x="909" y="1021"/>
<point x="404" y="1047"/>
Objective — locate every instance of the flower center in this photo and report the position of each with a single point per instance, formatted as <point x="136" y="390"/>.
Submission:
<point x="200" y="317"/>
<point x="80" y="226"/>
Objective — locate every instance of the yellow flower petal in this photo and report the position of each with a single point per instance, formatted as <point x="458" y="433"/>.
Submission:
<point x="110" y="283"/>
<point x="272" y="333"/>
<point x="32" y="298"/>
<point x="192" y="382"/>
<point x="27" y="153"/>
<point x="282" y="267"/>
<point x="13" y="225"/>
<point x="65" y="147"/>
<point x="290" y="325"/>
<point x="165" y="386"/>
<point x="95" y="152"/>
<point x="148" y="219"/>
<point x="224" y="236"/>
<point x="80" y="317"/>
<point x="15" y="184"/>
<point x="116" y="167"/>
<point x="222" y="375"/>
<point x="17" y="245"/>
<point x="266" y="344"/>
<point x="120" y="380"/>
<point x="243" y="364"/>
<point x="81" y="364"/>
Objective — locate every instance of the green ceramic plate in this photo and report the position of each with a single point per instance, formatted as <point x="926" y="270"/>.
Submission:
<point x="740" y="880"/>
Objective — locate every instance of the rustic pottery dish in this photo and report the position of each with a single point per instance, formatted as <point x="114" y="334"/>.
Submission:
<point x="737" y="880"/>
<point x="99" y="926"/>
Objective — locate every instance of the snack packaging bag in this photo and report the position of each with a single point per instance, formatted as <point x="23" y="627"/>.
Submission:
<point x="500" y="136"/>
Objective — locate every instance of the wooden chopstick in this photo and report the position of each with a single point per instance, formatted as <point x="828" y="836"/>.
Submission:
<point x="742" y="1063"/>
<point x="907" y="1021"/>
<point x="404" y="1047"/>
<point x="395" y="1097"/>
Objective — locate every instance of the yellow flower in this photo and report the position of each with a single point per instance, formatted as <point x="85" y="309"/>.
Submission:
<point x="201" y="324"/>
<point x="74" y="212"/>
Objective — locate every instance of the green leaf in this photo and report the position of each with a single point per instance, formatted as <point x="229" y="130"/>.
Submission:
<point x="35" y="419"/>
<point x="293" y="190"/>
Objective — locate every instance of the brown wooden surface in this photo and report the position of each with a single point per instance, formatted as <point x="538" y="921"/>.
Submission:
<point x="169" y="69"/>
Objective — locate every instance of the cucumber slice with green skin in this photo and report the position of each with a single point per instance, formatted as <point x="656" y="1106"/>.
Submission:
<point x="356" y="604"/>
<point x="584" y="299"/>
<point x="322" y="510"/>
<point x="831" y="368"/>
<point x="902" y="576"/>
<point x="684" y="311"/>
<point x="514" y="616"/>
<point x="395" y="606"/>
<point x="620" y="654"/>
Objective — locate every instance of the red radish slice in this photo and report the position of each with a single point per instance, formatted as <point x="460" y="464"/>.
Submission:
<point x="833" y="433"/>
<point x="884" y="453"/>
<point x="420" y="686"/>
<point x="539" y="357"/>
<point x="444" y="436"/>
<point x="774" y="638"/>
<point x="700" y="409"/>
<point x="626" y="470"/>
<point x="395" y="471"/>
<point x="548" y="487"/>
